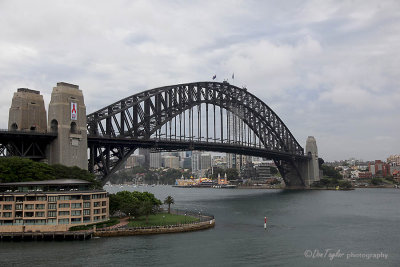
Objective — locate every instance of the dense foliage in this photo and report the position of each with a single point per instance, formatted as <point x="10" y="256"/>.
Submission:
<point x="231" y="173"/>
<point x="111" y="222"/>
<point x="133" y="203"/>
<point x="162" y="176"/>
<point x="14" y="169"/>
<point x="330" y="172"/>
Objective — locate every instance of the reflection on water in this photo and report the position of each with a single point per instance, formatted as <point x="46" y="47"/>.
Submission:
<point x="360" y="221"/>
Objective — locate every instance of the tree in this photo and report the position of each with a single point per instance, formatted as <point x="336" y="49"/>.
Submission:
<point x="232" y="174"/>
<point x="274" y="171"/>
<point x="14" y="169"/>
<point x="376" y="181"/>
<point x="146" y="209"/>
<point x="331" y="172"/>
<point x="169" y="200"/>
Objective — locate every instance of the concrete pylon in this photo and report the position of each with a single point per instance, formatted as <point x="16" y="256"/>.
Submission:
<point x="67" y="116"/>
<point x="27" y="111"/>
<point x="313" y="164"/>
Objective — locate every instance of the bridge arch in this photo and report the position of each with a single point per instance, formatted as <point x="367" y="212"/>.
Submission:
<point x="142" y="115"/>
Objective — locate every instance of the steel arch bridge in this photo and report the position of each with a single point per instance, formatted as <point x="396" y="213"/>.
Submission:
<point x="208" y="116"/>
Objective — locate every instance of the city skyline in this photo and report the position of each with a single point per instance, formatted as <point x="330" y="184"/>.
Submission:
<point x="327" y="69"/>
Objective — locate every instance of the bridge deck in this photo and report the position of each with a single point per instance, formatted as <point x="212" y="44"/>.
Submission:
<point x="173" y="145"/>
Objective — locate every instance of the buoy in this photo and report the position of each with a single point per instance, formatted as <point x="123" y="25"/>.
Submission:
<point x="265" y="223"/>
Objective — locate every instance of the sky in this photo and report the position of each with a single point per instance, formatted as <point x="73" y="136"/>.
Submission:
<point x="329" y="69"/>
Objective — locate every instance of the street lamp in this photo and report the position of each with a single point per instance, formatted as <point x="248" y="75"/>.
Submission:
<point x="163" y="217"/>
<point x="185" y="217"/>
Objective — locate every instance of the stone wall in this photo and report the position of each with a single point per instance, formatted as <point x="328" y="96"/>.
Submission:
<point x="157" y="230"/>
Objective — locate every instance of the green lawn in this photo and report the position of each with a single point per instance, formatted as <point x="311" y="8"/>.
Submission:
<point x="161" y="219"/>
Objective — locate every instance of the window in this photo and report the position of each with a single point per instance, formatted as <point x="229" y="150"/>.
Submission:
<point x="104" y="203"/>
<point x="54" y="126"/>
<point x="29" y="206"/>
<point x="76" y="220"/>
<point x="86" y="204"/>
<point x="86" y="219"/>
<point x="7" y="207"/>
<point x="103" y="210"/>
<point x="63" y="221"/>
<point x="64" y="197"/>
<point x="0" y="207"/>
<point x="96" y="196"/>
<point x="52" y="206"/>
<point x="40" y="214"/>
<point x="96" y="211"/>
<point x="76" y="205"/>
<point x="52" y="214"/>
<point x="96" y="204"/>
<point x="96" y="218"/>
<point x="18" y="206"/>
<point x="63" y="213"/>
<point x="76" y="213"/>
<point x="28" y="214"/>
<point x="52" y="198"/>
<point x="63" y="205"/>
<point x="7" y="214"/>
<point x="86" y="212"/>
<point x="9" y="199"/>
<point x="42" y="198"/>
<point x="74" y="128"/>
<point x="19" y="222"/>
<point x="40" y="206"/>
<point x="40" y="222"/>
<point x="52" y="221"/>
<point x="86" y="197"/>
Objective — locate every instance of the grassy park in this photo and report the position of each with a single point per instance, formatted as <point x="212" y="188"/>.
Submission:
<point x="161" y="219"/>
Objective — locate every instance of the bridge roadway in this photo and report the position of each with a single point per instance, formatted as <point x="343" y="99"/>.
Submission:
<point x="182" y="145"/>
<point x="25" y="143"/>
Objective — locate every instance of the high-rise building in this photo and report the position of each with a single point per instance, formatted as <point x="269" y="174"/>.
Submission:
<point x="171" y="162"/>
<point x="196" y="161"/>
<point x="155" y="160"/>
<point x="134" y="161"/>
<point x="146" y="153"/>
<point x="205" y="161"/>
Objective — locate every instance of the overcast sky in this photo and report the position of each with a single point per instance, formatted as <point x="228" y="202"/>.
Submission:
<point x="330" y="69"/>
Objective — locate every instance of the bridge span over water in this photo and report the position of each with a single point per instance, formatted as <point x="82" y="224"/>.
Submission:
<point x="207" y="116"/>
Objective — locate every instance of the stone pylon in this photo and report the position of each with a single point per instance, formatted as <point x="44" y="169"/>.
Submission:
<point x="27" y="111"/>
<point x="67" y="116"/>
<point x="313" y="164"/>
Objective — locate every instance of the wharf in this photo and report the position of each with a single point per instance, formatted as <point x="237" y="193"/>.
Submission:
<point x="26" y="236"/>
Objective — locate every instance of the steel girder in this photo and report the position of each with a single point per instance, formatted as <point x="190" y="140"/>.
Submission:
<point x="139" y="116"/>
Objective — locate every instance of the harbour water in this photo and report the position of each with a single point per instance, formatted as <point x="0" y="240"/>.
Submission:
<point x="305" y="228"/>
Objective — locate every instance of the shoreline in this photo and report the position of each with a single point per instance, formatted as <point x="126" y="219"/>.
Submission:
<point x="156" y="229"/>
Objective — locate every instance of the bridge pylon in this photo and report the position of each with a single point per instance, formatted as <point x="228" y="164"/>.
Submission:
<point x="67" y="117"/>
<point x="27" y="111"/>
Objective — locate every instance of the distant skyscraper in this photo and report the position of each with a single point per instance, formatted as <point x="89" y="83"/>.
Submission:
<point x="146" y="153"/>
<point x="155" y="160"/>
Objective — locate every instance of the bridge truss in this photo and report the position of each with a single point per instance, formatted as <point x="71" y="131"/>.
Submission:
<point x="207" y="116"/>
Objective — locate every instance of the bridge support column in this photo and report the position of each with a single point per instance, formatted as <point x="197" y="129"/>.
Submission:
<point x="310" y="169"/>
<point x="67" y="116"/>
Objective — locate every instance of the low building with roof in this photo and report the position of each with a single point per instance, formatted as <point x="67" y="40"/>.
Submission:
<point x="51" y="205"/>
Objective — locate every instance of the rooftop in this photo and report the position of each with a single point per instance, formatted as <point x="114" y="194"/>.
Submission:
<point x="48" y="182"/>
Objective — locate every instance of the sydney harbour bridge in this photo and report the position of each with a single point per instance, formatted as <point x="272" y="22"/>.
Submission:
<point x="205" y="116"/>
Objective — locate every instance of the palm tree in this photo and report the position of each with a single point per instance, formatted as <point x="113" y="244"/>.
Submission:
<point x="147" y="209"/>
<point x="169" y="200"/>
